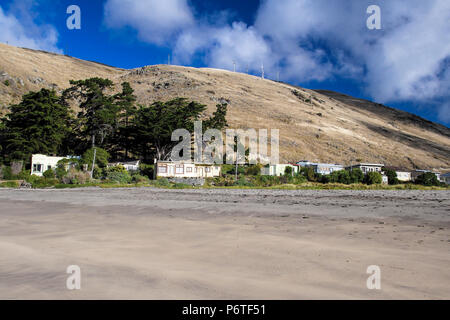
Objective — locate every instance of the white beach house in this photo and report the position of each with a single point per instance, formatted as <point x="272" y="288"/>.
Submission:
<point x="180" y="169"/>
<point x="367" y="167"/>
<point x="129" y="165"/>
<point x="41" y="163"/>
<point x="277" y="169"/>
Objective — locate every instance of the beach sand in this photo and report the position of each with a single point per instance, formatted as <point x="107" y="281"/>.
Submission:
<point x="145" y="243"/>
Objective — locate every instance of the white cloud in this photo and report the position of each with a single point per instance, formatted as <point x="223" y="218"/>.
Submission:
<point x="25" y="33"/>
<point x="225" y="44"/>
<point x="156" y="21"/>
<point x="408" y="60"/>
<point x="401" y="61"/>
<point x="405" y="62"/>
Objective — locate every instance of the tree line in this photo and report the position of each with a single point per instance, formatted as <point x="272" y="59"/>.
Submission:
<point x="46" y="123"/>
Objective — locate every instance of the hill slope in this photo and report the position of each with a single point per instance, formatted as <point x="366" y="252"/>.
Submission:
<point x="316" y="125"/>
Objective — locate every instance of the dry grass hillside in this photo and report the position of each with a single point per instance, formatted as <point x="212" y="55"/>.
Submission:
<point x="315" y="125"/>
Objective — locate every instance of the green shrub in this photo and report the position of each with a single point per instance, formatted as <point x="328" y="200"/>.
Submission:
<point x="308" y="173"/>
<point x="221" y="181"/>
<point x="7" y="173"/>
<point x="119" y="177"/>
<point x="42" y="182"/>
<point x="6" y="82"/>
<point x="262" y="181"/>
<point x="101" y="157"/>
<point x="241" y="170"/>
<point x="9" y="184"/>
<point x="324" y="179"/>
<point x="49" y="174"/>
<point x="392" y="176"/>
<point x="288" y="171"/>
<point x="32" y="178"/>
<point x="356" y="176"/>
<point x="99" y="173"/>
<point x="299" y="179"/>
<point x="137" y="178"/>
<point x="227" y="169"/>
<point x="66" y="163"/>
<point x="344" y="177"/>
<point x="341" y="176"/>
<point x="243" y="182"/>
<point x="253" y="170"/>
<point x="147" y="170"/>
<point x="23" y="175"/>
<point x="119" y="168"/>
<point x="76" y="177"/>
<point x="164" y="182"/>
<point x="373" y="178"/>
<point x="181" y="186"/>
<point x="427" y="179"/>
<point x="118" y="174"/>
<point x="269" y="181"/>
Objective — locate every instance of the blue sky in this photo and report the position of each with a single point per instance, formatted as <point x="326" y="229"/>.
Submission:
<point x="313" y="43"/>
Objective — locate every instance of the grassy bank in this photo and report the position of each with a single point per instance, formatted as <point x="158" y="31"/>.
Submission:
<point x="167" y="185"/>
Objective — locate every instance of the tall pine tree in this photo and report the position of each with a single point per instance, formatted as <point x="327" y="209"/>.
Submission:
<point x="125" y="102"/>
<point x="152" y="127"/>
<point x="99" y="115"/>
<point x="38" y="124"/>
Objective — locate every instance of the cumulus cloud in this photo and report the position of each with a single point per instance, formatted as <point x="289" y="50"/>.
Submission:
<point x="25" y="32"/>
<point x="224" y="45"/>
<point x="399" y="62"/>
<point x="155" y="21"/>
<point x="408" y="60"/>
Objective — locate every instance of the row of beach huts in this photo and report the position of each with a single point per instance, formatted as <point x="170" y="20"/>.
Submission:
<point x="184" y="169"/>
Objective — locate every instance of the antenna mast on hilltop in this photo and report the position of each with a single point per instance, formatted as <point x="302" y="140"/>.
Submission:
<point x="262" y="70"/>
<point x="168" y="59"/>
<point x="234" y="66"/>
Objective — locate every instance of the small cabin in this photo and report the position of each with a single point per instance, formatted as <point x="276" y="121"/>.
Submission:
<point x="41" y="163"/>
<point x="180" y="169"/>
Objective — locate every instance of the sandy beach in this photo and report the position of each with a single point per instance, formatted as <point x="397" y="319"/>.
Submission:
<point x="224" y="244"/>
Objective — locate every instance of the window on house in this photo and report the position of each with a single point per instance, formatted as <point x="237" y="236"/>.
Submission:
<point x="207" y="169"/>
<point x="37" y="167"/>
<point x="49" y="167"/>
<point x="162" y="169"/>
<point x="179" y="169"/>
<point x="189" y="169"/>
<point x="195" y="169"/>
